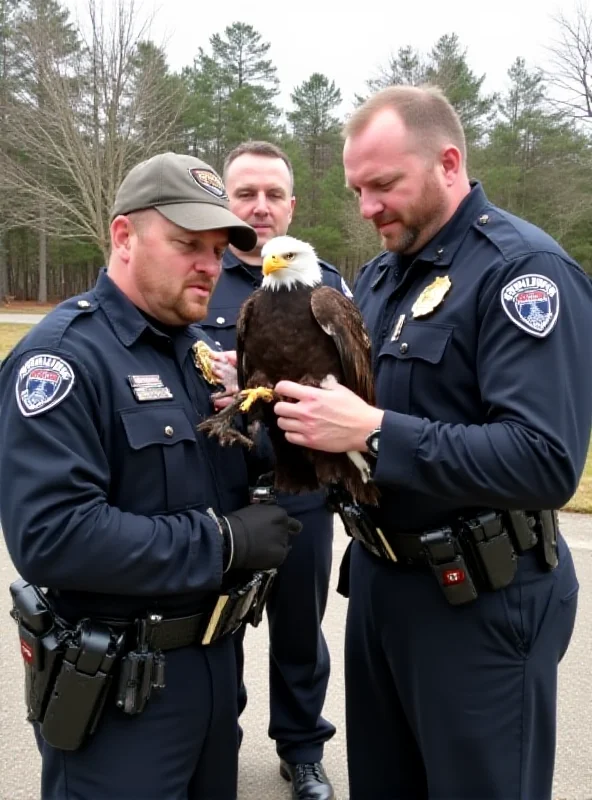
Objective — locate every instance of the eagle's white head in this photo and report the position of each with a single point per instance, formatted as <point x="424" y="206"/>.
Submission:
<point x="288" y="262"/>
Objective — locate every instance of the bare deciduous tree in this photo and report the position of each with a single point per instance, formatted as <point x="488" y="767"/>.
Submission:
<point x="570" y="73"/>
<point x="107" y="106"/>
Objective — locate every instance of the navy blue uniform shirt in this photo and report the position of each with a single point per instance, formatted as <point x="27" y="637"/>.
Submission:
<point x="102" y="492"/>
<point x="488" y="397"/>
<point x="237" y="282"/>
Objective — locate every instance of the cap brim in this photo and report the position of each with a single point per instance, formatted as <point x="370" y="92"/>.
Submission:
<point x="210" y="217"/>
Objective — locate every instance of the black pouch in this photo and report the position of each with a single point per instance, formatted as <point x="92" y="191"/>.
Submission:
<point x="80" y="689"/>
<point x="491" y="548"/>
<point x="549" y="531"/>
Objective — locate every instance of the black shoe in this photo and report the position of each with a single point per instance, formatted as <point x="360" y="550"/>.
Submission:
<point x="309" y="781"/>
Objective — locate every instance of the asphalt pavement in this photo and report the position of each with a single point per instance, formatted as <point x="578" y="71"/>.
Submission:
<point x="259" y="778"/>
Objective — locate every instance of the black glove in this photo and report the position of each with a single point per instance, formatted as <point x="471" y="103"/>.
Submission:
<point x="257" y="536"/>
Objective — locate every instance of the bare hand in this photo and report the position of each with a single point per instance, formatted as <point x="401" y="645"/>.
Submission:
<point x="224" y="368"/>
<point x="334" y="419"/>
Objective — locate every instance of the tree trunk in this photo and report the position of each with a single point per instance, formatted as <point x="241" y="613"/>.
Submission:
<point x="42" y="291"/>
<point x="3" y="269"/>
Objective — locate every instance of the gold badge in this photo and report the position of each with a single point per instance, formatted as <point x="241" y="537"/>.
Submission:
<point x="431" y="297"/>
<point x="203" y="361"/>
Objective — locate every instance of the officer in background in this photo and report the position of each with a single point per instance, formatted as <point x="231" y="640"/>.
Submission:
<point x="260" y="184"/>
<point x="462" y="593"/>
<point x="111" y="499"/>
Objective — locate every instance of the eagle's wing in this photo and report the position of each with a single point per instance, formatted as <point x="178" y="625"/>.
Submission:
<point x="243" y="368"/>
<point x="342" y="321"/>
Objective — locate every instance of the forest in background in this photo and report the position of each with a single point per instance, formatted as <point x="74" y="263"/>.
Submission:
<point x="80" y="104"/>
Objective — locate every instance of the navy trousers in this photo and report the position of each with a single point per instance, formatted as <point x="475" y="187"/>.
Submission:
<point x="183" y="746"/>
<point x="454" y="703"/>
<point x="299" y="661"/>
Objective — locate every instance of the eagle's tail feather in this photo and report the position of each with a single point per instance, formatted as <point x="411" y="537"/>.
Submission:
<point x="360" y="462"/>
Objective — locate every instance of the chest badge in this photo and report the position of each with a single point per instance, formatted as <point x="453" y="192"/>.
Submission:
<point x="431" y="297"/>
<point x="149" y="387"/>
<point x="203" y="361"/>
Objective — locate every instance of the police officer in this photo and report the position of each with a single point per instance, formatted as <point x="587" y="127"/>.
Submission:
<point x="482" y="344"/>
<point x="111" y="499"/>
<point x="259" y="180"/>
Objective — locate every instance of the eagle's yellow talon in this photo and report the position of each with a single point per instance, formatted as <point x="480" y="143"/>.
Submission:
<point x="258" y="393"/>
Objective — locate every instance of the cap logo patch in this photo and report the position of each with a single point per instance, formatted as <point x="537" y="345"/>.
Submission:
<point x="42" y="383"/>
<point x="532" y="303"/>
<point x="209" y="181"/>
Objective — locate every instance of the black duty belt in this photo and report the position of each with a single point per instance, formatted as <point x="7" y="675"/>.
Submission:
<point x="174" y="632"/>
<point x="467" y="555"/>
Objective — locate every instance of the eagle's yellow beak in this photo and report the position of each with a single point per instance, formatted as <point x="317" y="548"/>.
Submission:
<point x="273" y="263"/>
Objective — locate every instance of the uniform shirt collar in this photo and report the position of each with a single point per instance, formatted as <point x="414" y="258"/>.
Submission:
<point x="231" y="261"/>
<point x="125" y="318"/>
<point x="443" y="247"/>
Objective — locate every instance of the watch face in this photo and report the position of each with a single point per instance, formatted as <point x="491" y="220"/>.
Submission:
<point x="373" y="441"/>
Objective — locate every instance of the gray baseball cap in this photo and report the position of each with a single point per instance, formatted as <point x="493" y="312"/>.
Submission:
<point x="186" y="191"/>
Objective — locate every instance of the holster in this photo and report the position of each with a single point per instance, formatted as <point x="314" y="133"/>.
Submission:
<point x="358" y="524"/>
<point x="238" y="605"/>
<point x="68" y="669"/>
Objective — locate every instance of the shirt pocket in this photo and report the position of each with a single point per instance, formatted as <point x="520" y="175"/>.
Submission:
<point x="163" y="459"/>
<point x="411" y="365"/>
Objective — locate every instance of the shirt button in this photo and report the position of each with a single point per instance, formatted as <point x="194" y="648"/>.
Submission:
<point x="83" y="304"/>
<point x="483" y="219"/>
<point x="220" y="320"/>
<point x="404" y="347"/>
<point x="168" y="431"/>
<point x="440" y="251"/>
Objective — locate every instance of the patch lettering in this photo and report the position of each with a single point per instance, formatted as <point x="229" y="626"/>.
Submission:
<point x="149" y="387"/>
<point x="532" y="303"/>
<point x="346" y="290"/>
<point x="209" y="181"/>
<point x="43" y="382"/>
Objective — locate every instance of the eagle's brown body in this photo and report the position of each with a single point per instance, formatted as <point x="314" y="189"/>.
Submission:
<point x="304" y="335"/>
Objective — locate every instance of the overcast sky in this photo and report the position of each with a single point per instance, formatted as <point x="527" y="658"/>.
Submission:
<point x="348" y="46"/>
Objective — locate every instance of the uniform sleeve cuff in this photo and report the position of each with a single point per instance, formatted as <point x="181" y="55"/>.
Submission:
<point x="399" y="441"/>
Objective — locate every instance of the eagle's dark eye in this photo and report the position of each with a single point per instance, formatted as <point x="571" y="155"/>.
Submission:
<point x="290" y="256"/>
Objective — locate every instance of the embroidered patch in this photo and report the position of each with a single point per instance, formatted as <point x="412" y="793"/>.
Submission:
<point x="209" y="181"/>
<point x="345" y="289"/>
<point x="532" y="303"/>
<point x="42" y="383"/>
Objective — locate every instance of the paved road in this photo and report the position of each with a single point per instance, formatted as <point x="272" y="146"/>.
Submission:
<point x="24" y="319"/>
<point x="259" y="779"/>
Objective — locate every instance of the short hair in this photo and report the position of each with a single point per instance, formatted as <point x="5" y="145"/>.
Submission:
<point x="141" y="219"/>
<point x="258" y="148"/>
<point x="425" y="111"/>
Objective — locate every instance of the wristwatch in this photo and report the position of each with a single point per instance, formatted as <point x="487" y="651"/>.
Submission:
<point x="372" y="442"/>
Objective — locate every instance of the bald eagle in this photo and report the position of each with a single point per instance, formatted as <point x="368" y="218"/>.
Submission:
<point x="294" y="328"/>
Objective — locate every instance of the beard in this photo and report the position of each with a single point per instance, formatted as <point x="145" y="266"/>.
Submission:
<point x="419" y="222"/>
<point x="173" y="304"/>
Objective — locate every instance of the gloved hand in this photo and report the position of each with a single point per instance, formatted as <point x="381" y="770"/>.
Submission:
<point x="257" y="536"/>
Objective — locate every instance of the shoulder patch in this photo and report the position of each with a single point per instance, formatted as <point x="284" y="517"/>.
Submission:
<point x="42" y="383"/>
<point x="532" y="303"/>
<point x="345" y="289"/>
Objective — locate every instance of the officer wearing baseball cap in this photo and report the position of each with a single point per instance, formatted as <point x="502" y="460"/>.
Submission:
<point x="136" y="526"/>
<point x="186" y="191"/>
